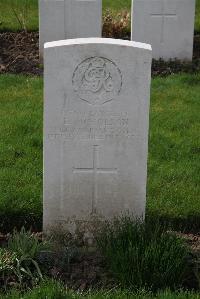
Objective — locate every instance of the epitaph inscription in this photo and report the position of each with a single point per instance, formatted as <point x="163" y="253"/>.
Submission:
<point x="97" y="80"/>
<point x="93" y="125"/>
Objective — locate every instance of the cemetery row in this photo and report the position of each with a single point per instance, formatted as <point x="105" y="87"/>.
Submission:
<point x="168" y="25"/>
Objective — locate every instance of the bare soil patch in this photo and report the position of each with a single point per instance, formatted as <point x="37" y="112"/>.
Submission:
<point x="88" y="268"/>
<point x="19" y="54"/>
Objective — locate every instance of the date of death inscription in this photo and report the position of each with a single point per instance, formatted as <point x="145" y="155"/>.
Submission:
<point x="92" y="125"/>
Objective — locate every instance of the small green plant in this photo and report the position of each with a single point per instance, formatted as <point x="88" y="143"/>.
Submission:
<point x="19" y="272"/>
<point x="143" y="255"/>
<point x="26" y="247"/>
<point x="27" y="272"/>
<point x="26" y="244"/>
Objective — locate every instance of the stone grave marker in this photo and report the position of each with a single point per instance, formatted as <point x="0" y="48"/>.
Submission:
<point x="168" y="25"/>
<point x="95" y="131"/>
<point x="66" y="19"/>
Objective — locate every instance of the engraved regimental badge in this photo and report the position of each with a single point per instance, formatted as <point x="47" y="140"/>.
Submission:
<point x="97" y="80"/>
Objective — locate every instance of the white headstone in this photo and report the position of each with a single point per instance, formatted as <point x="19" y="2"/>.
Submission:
<point x="168" y="25"/>
<point x="66" y="19"/>
<point x="95" y="131"/>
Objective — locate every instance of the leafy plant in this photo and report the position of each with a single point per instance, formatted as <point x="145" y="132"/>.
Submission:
<point x="27" y="272"/>
<point x="26" y="244"/>
<point x="143" y="254"/>
<point x="26" y="247"/>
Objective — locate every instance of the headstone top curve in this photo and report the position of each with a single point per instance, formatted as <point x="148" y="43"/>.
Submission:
<point x="96" y="40"/>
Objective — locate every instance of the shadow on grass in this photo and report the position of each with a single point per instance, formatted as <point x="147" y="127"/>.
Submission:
<point x="9" y="221"/>
<point x="12" y="220"/>
<point x="189" y="224"/>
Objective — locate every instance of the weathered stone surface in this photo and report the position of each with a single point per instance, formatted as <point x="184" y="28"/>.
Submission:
<point x="168" y="25"/>
<point x="95" y="131"/>
<point x="66" y="19"/>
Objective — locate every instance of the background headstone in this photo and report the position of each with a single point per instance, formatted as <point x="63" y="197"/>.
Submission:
<point x="168" y="25"/>
<point x="65" y="19"/>
<point x="95" y="131"/>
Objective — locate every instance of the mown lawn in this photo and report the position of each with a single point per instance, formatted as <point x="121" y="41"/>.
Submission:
<point x="173" y="169"/>
<point x="20" y="148"/>
<point x="174" y="165"/>
<point x="8" y="21"/>
<point x="53" y="290"/>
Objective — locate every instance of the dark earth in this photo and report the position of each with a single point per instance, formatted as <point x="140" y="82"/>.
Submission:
<point x="19" y="53"/>
<point x="79" y="268"/>
<point x="86" y="269"/>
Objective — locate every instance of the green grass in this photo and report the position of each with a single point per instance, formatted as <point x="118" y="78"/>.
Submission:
<point x="174" y="147"/>
<point x="117" y="5"/>
<point x="20" y="148"/>
<point x="9" y="22"/>
<point x="54" y="290"/>
<point x="174" y="168"/>
<point x="143" y="255"/>
<point x="173" y="160"/>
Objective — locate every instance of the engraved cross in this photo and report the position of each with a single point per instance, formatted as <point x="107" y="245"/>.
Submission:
<point x="163" y="17"/>
<point x="95" y="170"/>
